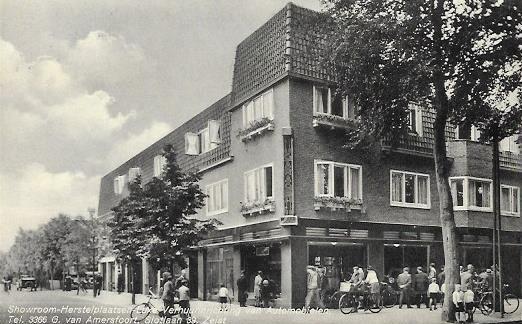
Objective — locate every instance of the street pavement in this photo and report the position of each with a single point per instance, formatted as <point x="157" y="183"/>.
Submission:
<point x="59" y="307"/>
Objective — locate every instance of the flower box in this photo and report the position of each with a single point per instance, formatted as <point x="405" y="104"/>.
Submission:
<point x="256" y="128"/>
<point x="337" y="203"/>
<point x="332" y="121"/>
<point x="258" y="208"/>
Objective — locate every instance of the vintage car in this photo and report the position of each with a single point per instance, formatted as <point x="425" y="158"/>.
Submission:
<point x="28" y="282"/>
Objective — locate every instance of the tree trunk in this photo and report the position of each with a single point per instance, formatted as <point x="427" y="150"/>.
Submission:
<point x="447" y="218"/>
<point x="133" y="280"/>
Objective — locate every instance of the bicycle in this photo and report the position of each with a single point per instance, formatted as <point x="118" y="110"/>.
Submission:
<point x="349" y="302"/>
<point x="330" y="298"/>
<point x="141" y="311"/>
<point x="388" y="295"/>
<point x="511" y="302"/>
<point x="82" y="287"/>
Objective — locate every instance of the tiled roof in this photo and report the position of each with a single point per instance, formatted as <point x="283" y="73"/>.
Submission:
<point x="144" y="159"/>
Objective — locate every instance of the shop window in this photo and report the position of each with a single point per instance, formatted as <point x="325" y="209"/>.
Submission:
<point x="408" y="189"/>
<point x="259" y="184"/>
<point x="217" y="200"/>
<point x="333" y="179"/>
<point x="471" y="193"/>
<point x="510" y="200"/>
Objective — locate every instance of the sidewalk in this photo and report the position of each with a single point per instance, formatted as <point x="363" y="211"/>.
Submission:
<point x="209" y="309"/>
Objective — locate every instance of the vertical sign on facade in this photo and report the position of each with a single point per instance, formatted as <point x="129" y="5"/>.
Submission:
<point x="288" y="170"/>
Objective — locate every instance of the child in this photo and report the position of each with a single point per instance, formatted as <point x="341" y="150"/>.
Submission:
<point x="458" y="300"/>
<point x="223" y="297"/>
<point x="433" y="292"/>
<point x="468" y="303"/>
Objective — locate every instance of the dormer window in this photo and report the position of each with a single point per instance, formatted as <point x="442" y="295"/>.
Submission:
<point x="415" y="119"/>
<point x="205" y="140"/>
<point x="159" y="163"/>
<point x="134" y="173"/>
<point x="119" y="184"/>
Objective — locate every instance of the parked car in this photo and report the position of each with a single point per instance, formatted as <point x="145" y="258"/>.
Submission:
<point x="27" y="282"/>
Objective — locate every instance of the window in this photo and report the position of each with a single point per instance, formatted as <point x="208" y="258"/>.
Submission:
<point x="324" y="103"/>
<point x="466" y="132"/>
<point x="134" y="173"/>
<point x="408" y="189"/>
<point x="509" y="200"/>
<point x="259" y="184"/>
<point x="119" y="184"/>
<point x="205" y="140"/>
<point x="159" y="163"/>
<point x="415" y="119"/>
<point x="258" y="108"/>
<point x="471" y="193"/>
<point x="509" y="144"/>
<point x="217" y="200"/>
<point x="334" y="179"/>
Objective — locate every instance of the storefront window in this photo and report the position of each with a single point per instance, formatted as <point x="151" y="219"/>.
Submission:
<point x="398" y="256"/>
<point x="219" y="270"/>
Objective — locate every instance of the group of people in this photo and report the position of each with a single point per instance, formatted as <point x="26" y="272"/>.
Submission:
<point x="264" y="290"/>
<point x="422" y="286"/>
<point x="175" y="291"/>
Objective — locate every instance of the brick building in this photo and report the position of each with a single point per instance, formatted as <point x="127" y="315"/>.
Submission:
<point x="288" y="193"/>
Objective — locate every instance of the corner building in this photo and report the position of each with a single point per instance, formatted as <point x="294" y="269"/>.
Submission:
<point x="288" y="194"/>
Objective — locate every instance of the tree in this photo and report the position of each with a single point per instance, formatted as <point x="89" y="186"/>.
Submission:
<point x="155" y="221"/>
<point x="76" y="247"/>
<point x="462" y="59"/>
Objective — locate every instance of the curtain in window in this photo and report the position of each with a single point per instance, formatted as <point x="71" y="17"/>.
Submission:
<point x="251" y="186"/>
<point x="249" y="113"/>
<point x="505" y="202"/>
<point x="472" y="193"/>
<point x="409" y="188"/>
<point x="354" y="184"/>
<point x="321" y="97"/>
<point x="322" y="179"/>
<point x="224" y="195"/>
<point x="396" y="187"/>
<point x="485" y="194"/>
<point x="268" y="103"/>
<point x="422" y="183"/>
<point x="258" y="108"/>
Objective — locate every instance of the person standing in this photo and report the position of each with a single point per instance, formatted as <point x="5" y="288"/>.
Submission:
<point x="168" y="294"/>
<point x="404" y="282"/>
<point x="373" y="281"/>
<point x="223" y="298"/>
<point x="432" y="273"/>
<point x="458" y="301"/>
<point x="184" y="301"/>
<point x="421" y="287"/>
<point x="311" y="288"/>
<point x="433" y="292"/>
<point x="121" y="282"/>
<point x="242" y="287"/>
<point x="98" y="281"/>
<point x="257" y="287"/>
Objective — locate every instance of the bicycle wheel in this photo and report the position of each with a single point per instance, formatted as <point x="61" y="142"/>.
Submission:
<point x="334" y="300"/>
<point x="486" y="304"/>
<point x="374" y="303"/>
<point x="511" y="303"/>
<point x="346" y="303"/>
<point x="389" y="298"/>
<point x="326" y="298"/>
<point x="140" y="312"/>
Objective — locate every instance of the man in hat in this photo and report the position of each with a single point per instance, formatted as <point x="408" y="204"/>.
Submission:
<point x="404" y="282"/>
<point x="421" y="283"/>
<point x="168" y="294"/>
<point x="242" y="287"/>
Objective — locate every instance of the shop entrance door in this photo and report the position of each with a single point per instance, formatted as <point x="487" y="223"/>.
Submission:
<point x="337" y="259"/>
<point x="398" y="256"/>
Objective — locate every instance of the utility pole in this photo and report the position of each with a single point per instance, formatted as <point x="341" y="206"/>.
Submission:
<point x="497" y="228"/>
<point x="93" y="233"/>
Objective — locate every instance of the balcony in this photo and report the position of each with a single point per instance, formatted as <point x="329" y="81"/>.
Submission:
<point x="510" y="161"/>
<point x="329" y="121"/>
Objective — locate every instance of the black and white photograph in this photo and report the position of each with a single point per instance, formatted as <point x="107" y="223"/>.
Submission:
<point x="249" y="161"/>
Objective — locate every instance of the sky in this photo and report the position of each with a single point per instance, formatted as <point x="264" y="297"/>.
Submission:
<point x="87" y="84"/>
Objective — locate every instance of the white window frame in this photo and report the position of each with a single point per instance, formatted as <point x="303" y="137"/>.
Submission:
<point x="121" y="184"/>
<point x="417" y="121"/>
<point x="474" y="133"/>
<point x="509" y="144"/>
<point x="465" y="198"/>
<point x="511" y="189"/>
<point x="261" y="180"/>
<point x="268" y="108"/>
<point x="224" y="198"/>
<point x="329" y="103"/>
<point x="347" y="177"/>
<point x="132" y="176"/>
<point x="159" y="164"/>
<point x="403" y="203"/>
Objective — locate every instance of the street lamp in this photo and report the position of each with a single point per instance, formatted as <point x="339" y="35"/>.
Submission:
<point x="91" y="213"/>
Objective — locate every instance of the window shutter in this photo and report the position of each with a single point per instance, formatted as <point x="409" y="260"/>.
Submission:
<point x="116" y="185"/>
<point x="134" y="173"/>
<point x="191" y="144"/>
<point x="213" y="129"/>
<point x="418" y="121"/>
